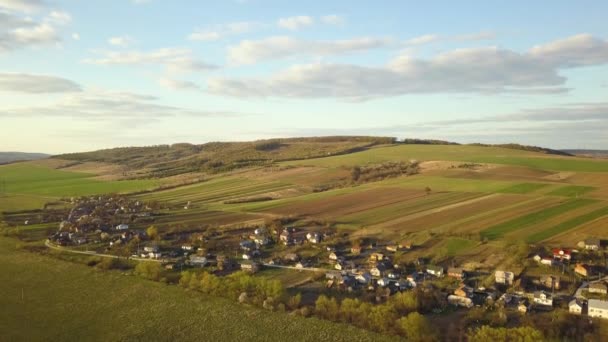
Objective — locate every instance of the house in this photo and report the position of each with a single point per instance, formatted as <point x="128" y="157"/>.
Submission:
<point x="393" y="274"/>
<point x="575" y="307"/>
<point x="592" y="244"/>
<point x="597" y="308"/>
<point x="285" y="237"/>
<point x="313" y="237"/>
<point x="550" y="282"/>
<point x="199" y="261"/>
<point x="259" y="231"/>
<point x="151" y="249"/>
<point x="293" y="257"/>
<point x="247" y="256"/>
<point x="356" y="250"/>
<point x="376" y="257"/>
<point x="155" y="255"/>
<point x="543" y="298"/>
<point x="80" y="240"/>
<point x="463" y="291"/>
<point x="562" y="254"/>
<point x="251" y="267"/>
<point x="582" y="270"/>
<point x="333" y="256"/>
<point x="363" y="278"/>
<point x="378" y="270"/>
<point x="247" y="245"/>
<point x="392" y="248"/>
<point x="122" y="226"/>
<point x="598" y="287"/>
<point x="383" y="282"/>
<point x="504" y="277"/>
<point x="456" y="272"/>
<point x="188" y="248"/>
<point x="546" y="261"/>
<point x="460" y="301"/>
<point x="522" y="308"/>
<point x="437" y="271"/>
<point x="405" y="245"/>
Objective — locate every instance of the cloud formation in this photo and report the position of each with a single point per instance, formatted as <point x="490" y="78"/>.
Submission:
<point x="22" y="5"/>
<point x="279" y="47"/>
<point x="296" y="22"/>
<point x="36" y="84"/>
<point x="99" y="105"/>
<point x="222" y="31"/>
<point x="475" y="70"/>
<point x="122" y="41"/>
<point x="174" y="59"/>
<point x="177" y="84"/>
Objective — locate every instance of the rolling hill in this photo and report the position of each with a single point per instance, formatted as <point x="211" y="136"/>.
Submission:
<point x="10" y="157"/>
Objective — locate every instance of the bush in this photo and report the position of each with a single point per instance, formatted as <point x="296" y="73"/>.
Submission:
<point x="149" y="270"/>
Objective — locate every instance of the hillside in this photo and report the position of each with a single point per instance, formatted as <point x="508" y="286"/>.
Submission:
<point x="589" y="153"/>
<point x="9" y="157"/>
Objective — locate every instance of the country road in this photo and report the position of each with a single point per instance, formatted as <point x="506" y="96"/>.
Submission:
<point x="91" y="253"/>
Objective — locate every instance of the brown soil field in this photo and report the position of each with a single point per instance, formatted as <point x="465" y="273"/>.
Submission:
<point x="598" y="180"/>
<point x="340" y="205"/>
<point x="554" y="221"/>
<point x="508" y="212"/>
<point x="305" y="176"/>
<point x="435" y="218"/>
<point x="597" y="228"/>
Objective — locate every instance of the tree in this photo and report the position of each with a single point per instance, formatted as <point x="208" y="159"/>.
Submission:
<point x="355" y="173"/>
<point x="149" y="270"/>
<point x="152" y="232"/>
<point x="427" y="190"/>
<point x="522" y="334"/>
<point x="294" y="301"/>
<point x="415" y="327"/>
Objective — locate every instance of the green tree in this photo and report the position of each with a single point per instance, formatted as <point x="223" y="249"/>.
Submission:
<point x="522" y="334"/>
<point x="152" y="232"/>
<point x="415" y="327"/>
<point x="149" y="270"/>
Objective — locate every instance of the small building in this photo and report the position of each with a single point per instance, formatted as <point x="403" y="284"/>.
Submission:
<point x="437" y="271"/>
<point x="378" y="270"/>
<point x="392" y="248"/>
<point x="522" y="308"/>
<point x="504" y="277"/>
<point x="463" y="291"/>
<point x="293" y="257"/>
<point x="543" y="298"/>
<point x="383" y="282"/>
<point x="313" y="237"/>
<point x="333" y="256"/>
<point x="582" y="270"/>
<point x="363" y="278"/>
<point x="122" y="226"/>
<point x="460" y="301"/>
<point x="405" y="245"/>
<point x="562" y="254"/>
<point x="151" y="249"/>
<point x="550" y="282"/>
<point x="187" y="248"/>
<point x="597" y="308"/>
<point x="250" y="267"/>
<point x="356" y="250"/>
<point x="456" y="272"/>
<point x="598" y="287"/>
<point x="376" y="257"/>
<point x="261" y="240"/>
<point x="199" y="261"/>
<point x="575" y="307"/>
<point x="547" y="261"/>
<point x="592" y="244"/>
<point x="247" y="245"/>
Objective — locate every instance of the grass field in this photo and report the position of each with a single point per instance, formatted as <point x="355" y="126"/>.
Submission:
<point x="27" y="178"/>
<point x="476" y="154"/>
<point x="567" y="225"/>
<point x="571" y="191"/>
<point x="524" y="188"/>
<point x="46" y="299"/>
<point x="522" y="222"/>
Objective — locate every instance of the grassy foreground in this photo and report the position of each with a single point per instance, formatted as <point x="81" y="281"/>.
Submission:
<point x="53" y="300"/>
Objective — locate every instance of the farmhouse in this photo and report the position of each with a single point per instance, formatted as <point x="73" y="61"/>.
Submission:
<point x="598" y="287"/>
<point x="543" y="298"/>
<point x="356" y="250"/>
<point x="152" y="249"/>
<point x="122" y="226"/>
<point x="456" y="272"/>
<point x="435" y="270"/>
<point x="597" y="308"/>
<point x="562" y="254"/>
<point x="379" y="270"/>
<point x="460" y="301"/>
<point x="251" y="267"/>
<point x="392" y="248"/>
<point x="333" y="256"/>
<point x="376" y="257"/>
<point x="592" y="244"/>
<point x="550" y="282"/>
<point x="575" y="307"/>
<point x="582" y="269"/>
<point x="405" y="245"/>
<point x="199" y="261"/>
<point x="504" y="277"/>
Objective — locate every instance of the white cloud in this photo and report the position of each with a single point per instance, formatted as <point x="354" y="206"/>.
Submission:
<point x="425" y="39"/>
<point x="177" y="84"/>
<point x="18" y="30"/>
<point x="75" y="36"/>
<point x="36" y="84"/>
<point x="22" y="5"/>
<point x="59" y="17"/>
<point x="295" y="23"/>
<point x="100" y="104"/>
<point x="475" y="70"/>
<point x="123" y="41"/>
<point x="221" y="31"/>
<point x="333" y="19"/>
<point x="252" y="51"/>
<point x="174" y="59"/>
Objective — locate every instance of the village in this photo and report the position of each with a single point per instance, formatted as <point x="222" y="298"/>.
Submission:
<point x="573" y="279"/>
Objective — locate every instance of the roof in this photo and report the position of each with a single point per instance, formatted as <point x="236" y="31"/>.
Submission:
<point x="575" y="302"/>
<point x="455" y="270"/>
<point x="598" y="304"/>
<point x="435" y="268"/>
<point x="598" y="286"/>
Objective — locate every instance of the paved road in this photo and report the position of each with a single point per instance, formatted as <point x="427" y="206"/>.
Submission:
<point x="310" y="269"/>
<point x="92" y="253"/>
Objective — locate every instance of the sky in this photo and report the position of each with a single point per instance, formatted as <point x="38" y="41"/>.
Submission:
<point x="85" y="75"/>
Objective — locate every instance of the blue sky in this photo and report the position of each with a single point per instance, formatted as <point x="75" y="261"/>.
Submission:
<point x="83" y="75"/>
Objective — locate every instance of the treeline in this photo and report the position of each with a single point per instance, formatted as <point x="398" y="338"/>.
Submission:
<point x="526" y="148"/>
<point x="370" y="173"/>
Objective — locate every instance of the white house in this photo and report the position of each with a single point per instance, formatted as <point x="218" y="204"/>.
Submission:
<point x="597" y="308"/>
<point x="542" y="298"/>
<point x="383" y="282"/>
<point x="575" y="307"/>
<point x="363" y="278"/>
<point x="435" y="270"/>
<point x="122" y="226"/>
<point x="196" y="260"/>
<point x="152" y="249"/>
<point x="187" y="247"/>
<point x="592" y="244"/>
<point x="460" y="301"/>
<point x="503" y="277"/>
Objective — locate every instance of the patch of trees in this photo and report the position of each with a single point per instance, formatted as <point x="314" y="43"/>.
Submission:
<point x="269" y="145"/>
<point x="238" y="286"/>
<point x="370" y="173"/>
<point x="410" y="141"/>
<point x="523" y="334"/>
<point x="249" y="199"/>
<point x="526" y="148"/>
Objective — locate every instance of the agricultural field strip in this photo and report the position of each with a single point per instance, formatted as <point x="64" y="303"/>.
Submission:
<point x="571" y="190"/>
<point x="411" y="216"/>
<point x="533" y="218"/>
<point x="528" y="204"/>
<point x="433" y="220"/>
<point x="391" y="212"/>
<point x="568" y="225"/>
<point x="524" y="188"/>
